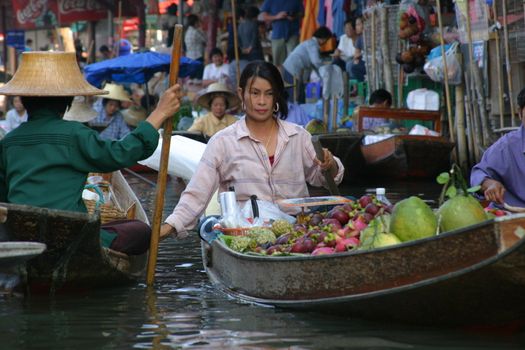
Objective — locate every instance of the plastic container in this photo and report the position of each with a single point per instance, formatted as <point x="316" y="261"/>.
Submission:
<point x="380" y="195"/>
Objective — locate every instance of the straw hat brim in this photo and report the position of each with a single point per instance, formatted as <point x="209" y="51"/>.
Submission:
<point x="116" y="92"/>
<point x="49" y="74"/>
<point x="133" y="116"/>
<point x="205" y="99"/>
<point x="80" y="111"/>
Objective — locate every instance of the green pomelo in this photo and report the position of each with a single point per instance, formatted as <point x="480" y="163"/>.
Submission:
<point x="315" y="126"/>
<point x="413" y="219"/>
<point x="460" y="211"/>
<point x="385" y="239"/>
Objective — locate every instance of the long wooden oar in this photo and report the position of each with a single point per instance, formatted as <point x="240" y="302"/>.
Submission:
<point x="164" y="157"/>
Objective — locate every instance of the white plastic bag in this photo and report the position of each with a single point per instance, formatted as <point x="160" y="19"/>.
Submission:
<point x="435" y="69"/>
<point x="423" y="99"/>
<point x="185" y="155"/>
<point x="267" y="211"/>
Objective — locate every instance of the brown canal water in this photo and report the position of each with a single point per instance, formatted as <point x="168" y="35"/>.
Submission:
<point x="184" y="311"/>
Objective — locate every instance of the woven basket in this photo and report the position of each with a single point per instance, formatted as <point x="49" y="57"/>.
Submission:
<point x="108" y="212"/>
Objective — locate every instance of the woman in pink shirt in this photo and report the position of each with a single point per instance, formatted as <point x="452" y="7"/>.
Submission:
<point x="260" y="154"/>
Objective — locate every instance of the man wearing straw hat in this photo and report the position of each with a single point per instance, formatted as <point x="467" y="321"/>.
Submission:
<point x="45" y="162"/>
<point x="217" y="99"/>
<point x="110" y="122"/>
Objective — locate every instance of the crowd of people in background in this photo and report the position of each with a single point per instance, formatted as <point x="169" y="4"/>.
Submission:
<point x="269" y="32"/>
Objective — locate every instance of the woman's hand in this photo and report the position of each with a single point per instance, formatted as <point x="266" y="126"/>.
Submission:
<point x="168" y="105"/>
<point x="493" y="190"/>
<point x="329" y="163"/>
<point x="166" y="230"/>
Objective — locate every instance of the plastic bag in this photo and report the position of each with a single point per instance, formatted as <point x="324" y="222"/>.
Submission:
<point x="423" y="99"/>
<point x="267" y="211"/>
<point x="435" y="69"/>
<point x="185" y="155"/>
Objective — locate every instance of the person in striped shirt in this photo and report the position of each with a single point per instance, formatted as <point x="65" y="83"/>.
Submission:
<point x="261" y="154"/>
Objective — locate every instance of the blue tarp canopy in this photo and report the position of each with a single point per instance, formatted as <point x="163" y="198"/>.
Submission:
<point x="136" y="68"/>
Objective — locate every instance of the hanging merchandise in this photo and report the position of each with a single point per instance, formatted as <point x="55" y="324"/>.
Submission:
<point x="435" y="69"/>
<point x="479" y="22"/>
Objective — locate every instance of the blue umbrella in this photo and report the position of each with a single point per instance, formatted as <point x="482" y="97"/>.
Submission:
<point x="136" y="68"/>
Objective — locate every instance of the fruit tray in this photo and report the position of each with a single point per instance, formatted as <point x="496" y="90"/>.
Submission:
<point x="313" y="201"/>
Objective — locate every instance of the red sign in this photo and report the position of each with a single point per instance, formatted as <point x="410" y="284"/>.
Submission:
<point x="33" y="14"/>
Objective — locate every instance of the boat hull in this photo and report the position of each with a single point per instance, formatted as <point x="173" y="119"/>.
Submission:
<point x="407" y="156"/>
<point x="472" y="276"/>
<point x="74" y="259"/>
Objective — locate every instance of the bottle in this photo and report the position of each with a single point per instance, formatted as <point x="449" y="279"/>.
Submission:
<point x="380" y="195"/>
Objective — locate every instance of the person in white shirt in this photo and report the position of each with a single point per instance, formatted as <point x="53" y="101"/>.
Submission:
<point x="217" y="71"/>
<point x="345" y="50"/>
<point x="17" y="115"/>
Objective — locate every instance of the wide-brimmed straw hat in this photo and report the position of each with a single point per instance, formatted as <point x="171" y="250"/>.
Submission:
<point x="49" y="74"/>
<point x="217" y="89"/>
<point x="80" y="110"/>
<point x="134" y="114"/>
<point x="116" y="92"/>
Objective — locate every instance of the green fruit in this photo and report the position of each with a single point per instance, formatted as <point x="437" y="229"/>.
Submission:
<point x="385" y="239"/>
<point x="460" y="211"/>
<point x="315" y="126"/>
<point x="413" y="219"/>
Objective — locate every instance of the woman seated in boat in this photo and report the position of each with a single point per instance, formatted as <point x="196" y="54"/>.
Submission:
<point x="45" y="162"/>
<point x="260" y="154"/>
<point x="217" y="99"/>
<point x="379" y="98"/>
<point x="110" y="123"/>
<point x="501" y="170"/>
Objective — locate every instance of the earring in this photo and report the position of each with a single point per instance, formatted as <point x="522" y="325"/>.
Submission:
<point x="243" y="106"/>
<point x="276" y="108"/>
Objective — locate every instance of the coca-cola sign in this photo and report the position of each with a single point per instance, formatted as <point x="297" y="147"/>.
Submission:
<point x="33" y="14"/>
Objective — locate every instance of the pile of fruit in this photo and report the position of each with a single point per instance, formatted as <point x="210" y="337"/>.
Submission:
<point x="411" y="28"/>
<point x="339" y="230"/>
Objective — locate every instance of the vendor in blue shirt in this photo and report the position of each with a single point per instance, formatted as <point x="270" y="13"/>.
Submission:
<point x="110" y="122"/>
<point x="285" y="17"/>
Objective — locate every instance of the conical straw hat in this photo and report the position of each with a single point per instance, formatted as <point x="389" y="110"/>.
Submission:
<point x="49" y="74"/>
<point x="133" y="115"/>
<point x="116" y="92"/>
<point x="80" y="111"/>
<point x="217" y="89"/>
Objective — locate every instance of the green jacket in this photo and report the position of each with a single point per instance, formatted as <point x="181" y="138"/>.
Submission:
<point x="45" y="161"/>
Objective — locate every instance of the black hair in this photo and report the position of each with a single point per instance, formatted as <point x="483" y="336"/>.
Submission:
<point x="269" y="72"/>
<point x="380" y="96"/>
<point x="521" y="99"/>
<point x="215" y="51"/>
<point x="252" y="12"/>
<point x="240" y="13"/>
<point x="354" y="21"/>
<point x="322" y="33"/>
<point x="193" y="20"/>
<point x="56" y="104"/>
<point x="351" y="21"/>
<point x="103" y="48"/>
<point x="106" y="100"/>
<point x="219" y="94"/>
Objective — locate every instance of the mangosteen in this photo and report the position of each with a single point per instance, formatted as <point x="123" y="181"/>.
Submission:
<point x="412" y="20"/>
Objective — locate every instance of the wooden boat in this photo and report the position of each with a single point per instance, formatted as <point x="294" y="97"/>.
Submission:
<point x="405" y="156"/>
<point x="74" y="259"/>
<point x="15" y="253"/>
<point x="474" y="275"/>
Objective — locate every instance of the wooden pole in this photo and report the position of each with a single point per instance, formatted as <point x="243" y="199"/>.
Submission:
<point x="498" y="69"/>
<point x="346" y="94"/>
<point x="385" y="51"/>
<point x="334" y="113"/>
<point x="445" y="73"/>
<point x="477" y="86"/>
<point x="461" y="144"/>
<point x="373" y="77"/>
<point x="235" y="42"/>
<point x="120" y="30"/>
<point x="176" y="49"/>
<point x="507" y="63"/>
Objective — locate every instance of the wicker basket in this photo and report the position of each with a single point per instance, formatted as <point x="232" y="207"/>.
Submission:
<point x="108" y="212"/>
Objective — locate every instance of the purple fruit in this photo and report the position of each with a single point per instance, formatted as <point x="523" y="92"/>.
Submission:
<point x="364" y="201"/>
<point x="284" y="239"/>
<point x="339" y="215"/>
<point x="372" y="209"/>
